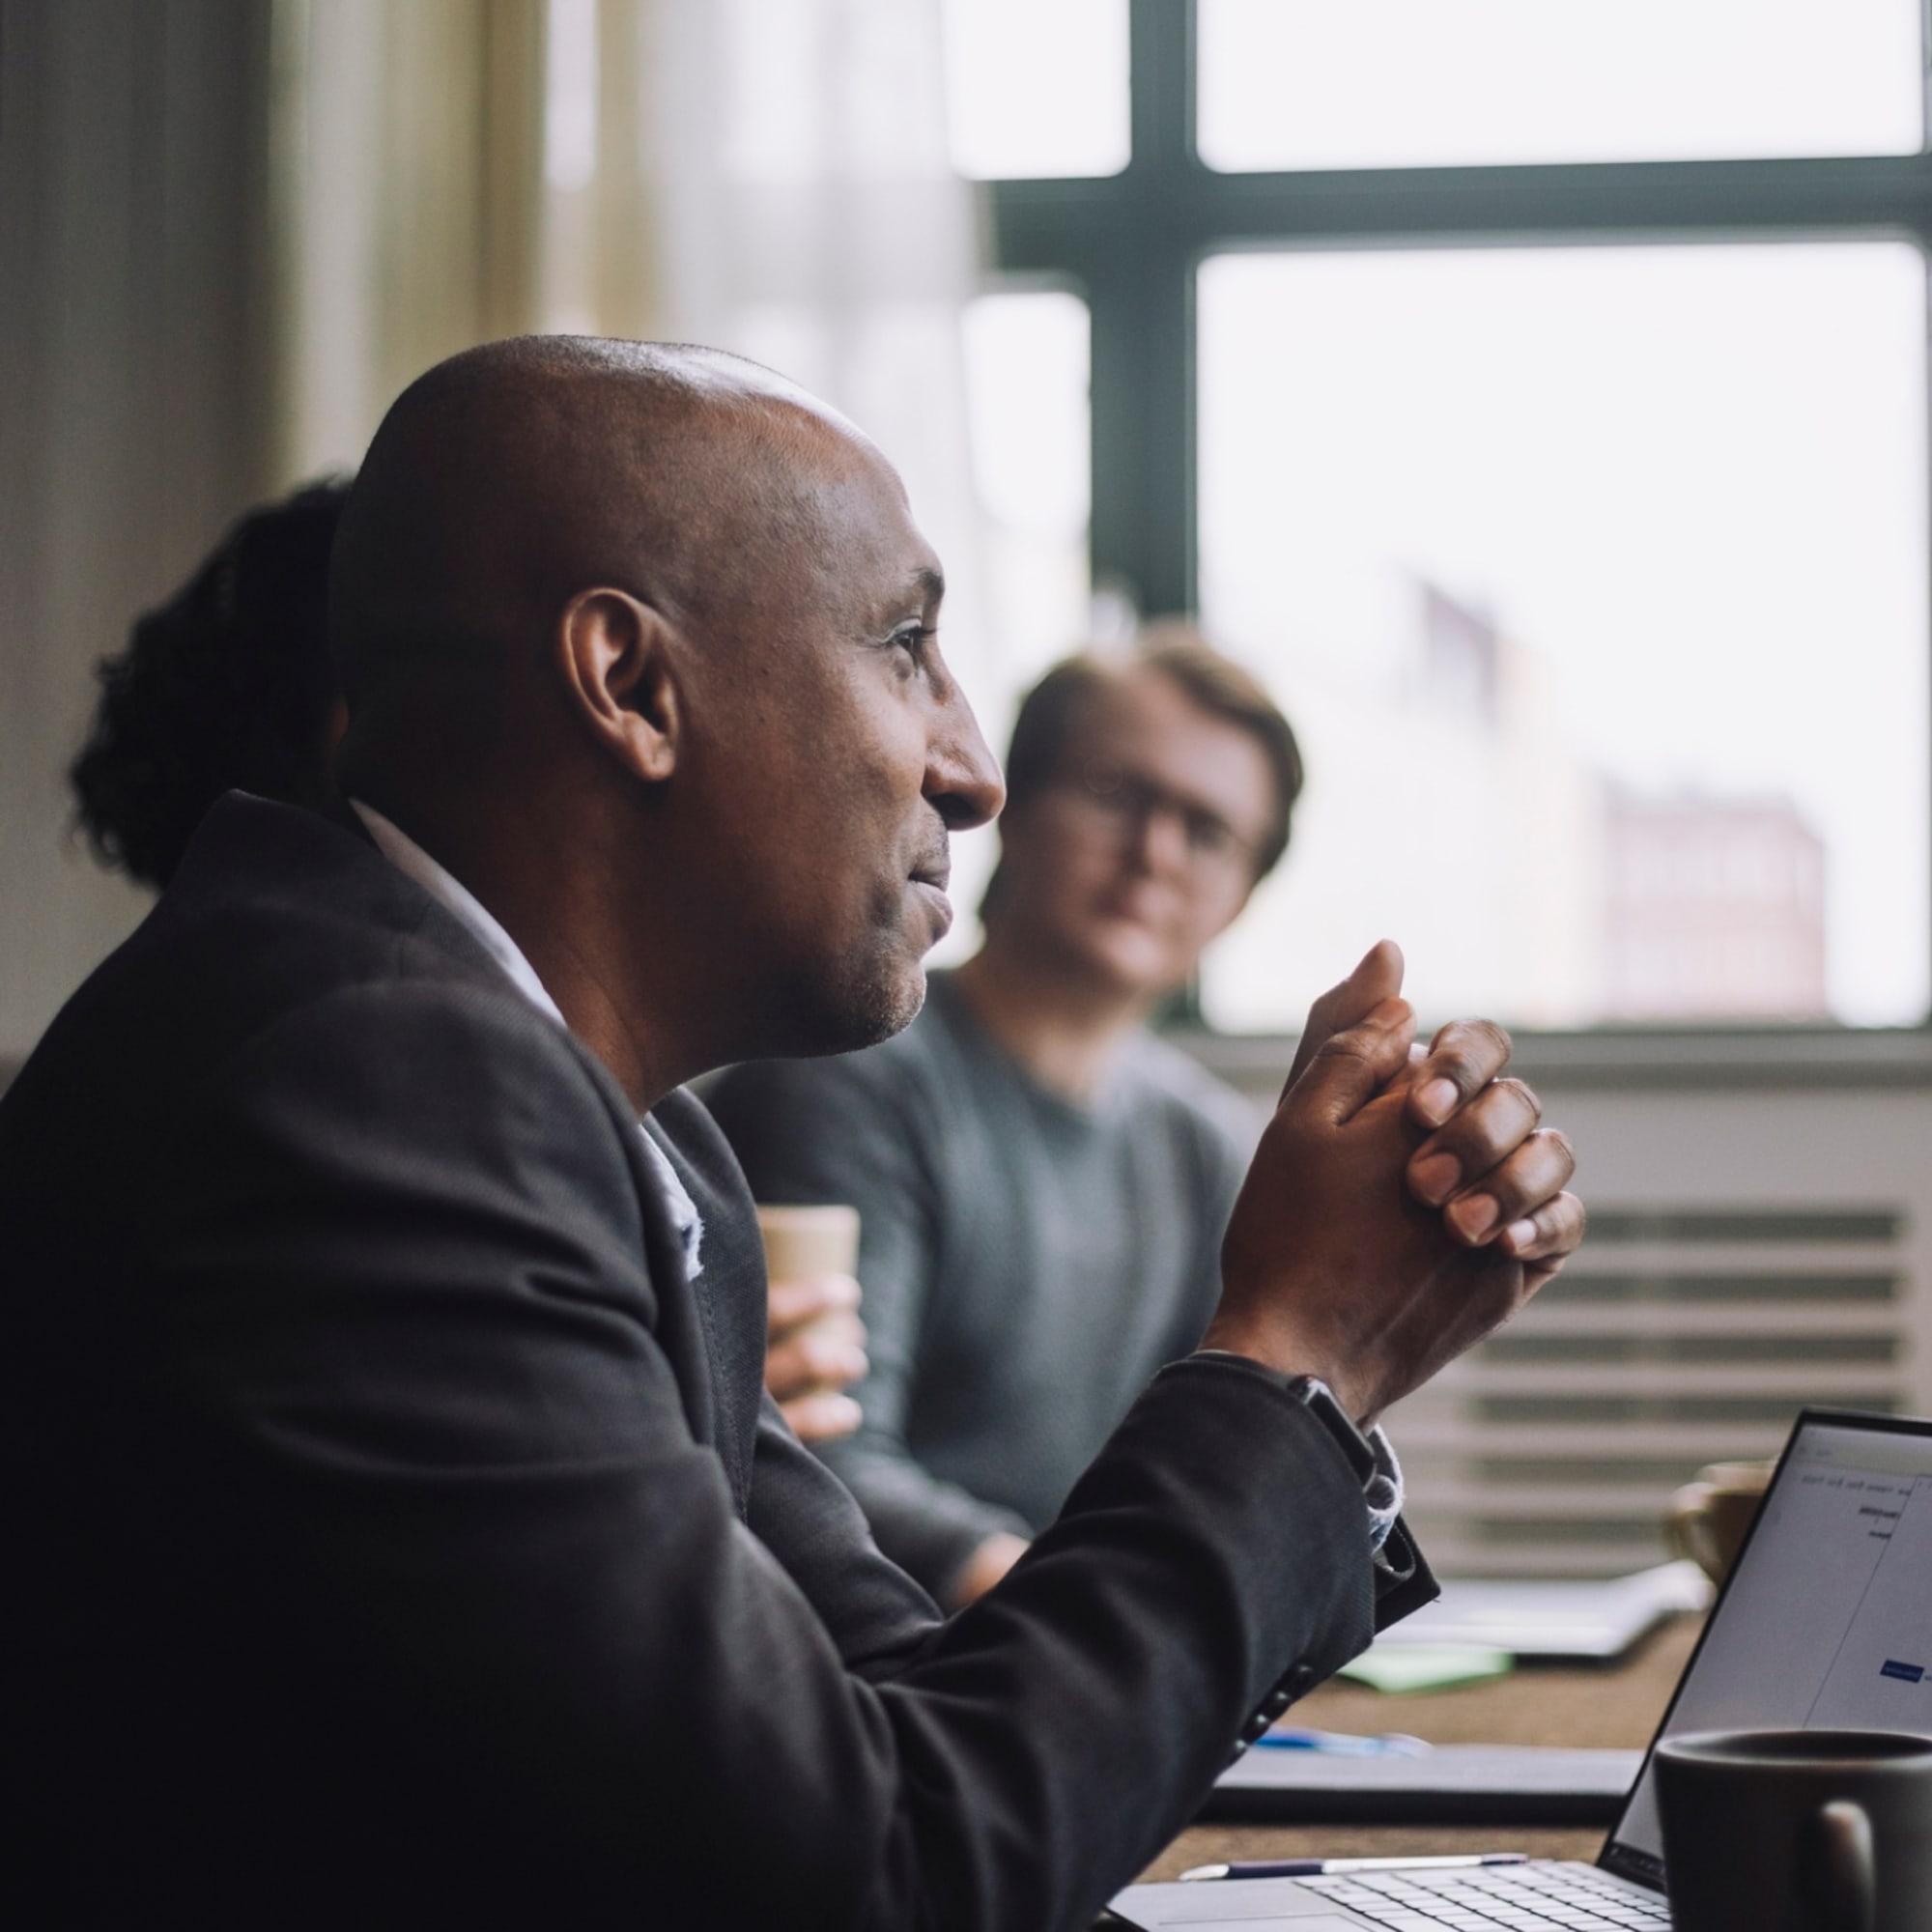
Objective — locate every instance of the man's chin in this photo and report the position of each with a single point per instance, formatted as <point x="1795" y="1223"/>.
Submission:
<point x="858" y="1012"/>
<point x="896" y="1008"/>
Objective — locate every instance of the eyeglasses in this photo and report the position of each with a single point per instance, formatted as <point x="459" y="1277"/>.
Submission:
<point x="1129" y="803"/>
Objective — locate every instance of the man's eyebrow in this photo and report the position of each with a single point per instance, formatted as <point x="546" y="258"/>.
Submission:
<point x="924" y="586"/>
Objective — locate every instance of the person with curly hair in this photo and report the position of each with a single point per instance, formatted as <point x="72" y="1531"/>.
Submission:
<point x="227" y="686"/>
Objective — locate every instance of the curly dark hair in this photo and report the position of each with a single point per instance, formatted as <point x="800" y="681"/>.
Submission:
<point x="227" y="684"/>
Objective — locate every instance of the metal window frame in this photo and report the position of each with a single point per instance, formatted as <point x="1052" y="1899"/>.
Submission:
<point x="1131" y="244"/>
<point x="1133" y="241"/>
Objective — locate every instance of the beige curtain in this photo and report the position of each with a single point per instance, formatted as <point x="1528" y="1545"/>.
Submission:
<point x="406" y="182"/>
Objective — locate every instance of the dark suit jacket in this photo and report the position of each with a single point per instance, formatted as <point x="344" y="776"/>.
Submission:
<point x="395" y="1535"/>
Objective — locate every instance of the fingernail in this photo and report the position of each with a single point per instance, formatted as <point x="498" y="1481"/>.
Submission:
<point x="1437" y="1102"/>
<point x="1474" y="1215"/>
<point x="1520" y="1235"/>
<point x="1437" y="1177"/>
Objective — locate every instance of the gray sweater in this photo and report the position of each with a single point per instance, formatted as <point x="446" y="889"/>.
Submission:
<point x="1027" y="1264"/>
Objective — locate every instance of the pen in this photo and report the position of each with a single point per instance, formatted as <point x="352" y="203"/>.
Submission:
<point x="1334" y="1867"/>
<point x="1343" y="1743"/>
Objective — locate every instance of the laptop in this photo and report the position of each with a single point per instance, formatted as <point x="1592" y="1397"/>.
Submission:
<point x="1822" y="1625"/>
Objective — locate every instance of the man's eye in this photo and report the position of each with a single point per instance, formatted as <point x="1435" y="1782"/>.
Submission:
<point x="913" y="638"/>
<point x="1211" y="837"/>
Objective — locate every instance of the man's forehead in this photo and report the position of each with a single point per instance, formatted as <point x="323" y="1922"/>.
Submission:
<point x="1136" y="701"/>
<point x="1148" y="720"/>
<point x="867" y="513"/>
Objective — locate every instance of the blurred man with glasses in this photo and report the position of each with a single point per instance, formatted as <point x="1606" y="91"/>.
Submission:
<point x="1043" y="1184"/>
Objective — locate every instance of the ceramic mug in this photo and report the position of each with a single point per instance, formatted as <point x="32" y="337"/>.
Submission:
<point x="1707" y="1518"/>
<point x="1797" y="1831"/>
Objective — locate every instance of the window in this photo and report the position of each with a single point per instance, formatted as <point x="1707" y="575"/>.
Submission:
<point x="1595" y="581"/>
<point x="1026" y="386"/>
<point x="1554" y="409"/>
<point x="1036" y="89"/>
<point x="1438" y="83"/>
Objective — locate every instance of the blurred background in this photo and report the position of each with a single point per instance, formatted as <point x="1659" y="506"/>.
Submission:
<point x="1536" y="396"/>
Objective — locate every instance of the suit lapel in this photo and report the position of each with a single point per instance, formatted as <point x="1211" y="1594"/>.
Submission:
<point x="711" y="1327"/>
<point x="728" y="1293"/>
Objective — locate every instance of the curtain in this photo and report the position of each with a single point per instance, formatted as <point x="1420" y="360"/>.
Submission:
<point x="406" y="179"/>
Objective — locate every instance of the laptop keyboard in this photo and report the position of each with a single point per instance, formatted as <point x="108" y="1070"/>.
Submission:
<point x="1541" y="1897"/>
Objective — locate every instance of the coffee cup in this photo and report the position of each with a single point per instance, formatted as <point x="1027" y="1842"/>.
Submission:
<point x="1709" y="1518"/>
<point x="801" y="1242"/>
<point x="1797" y="1831"/>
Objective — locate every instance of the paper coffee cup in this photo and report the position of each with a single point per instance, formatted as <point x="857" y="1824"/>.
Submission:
<point x="1709" y="1517"/>
<point x="801" y="1242"/>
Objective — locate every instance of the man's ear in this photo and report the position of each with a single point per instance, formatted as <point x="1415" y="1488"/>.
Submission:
<point x="618" y="661"/>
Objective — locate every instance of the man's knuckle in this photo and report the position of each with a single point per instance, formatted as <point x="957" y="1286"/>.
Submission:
<point x="1489" y="1034"/>
<point x="1474" y="1050"/>
<point x="1353" y="1044"/>
<point x="1522" y="1094"/>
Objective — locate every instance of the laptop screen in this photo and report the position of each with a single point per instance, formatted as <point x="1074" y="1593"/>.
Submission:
<point x="1822" y="1625"/>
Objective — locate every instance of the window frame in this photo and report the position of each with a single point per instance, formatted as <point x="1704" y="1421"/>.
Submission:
<point x="1131" y="244"/>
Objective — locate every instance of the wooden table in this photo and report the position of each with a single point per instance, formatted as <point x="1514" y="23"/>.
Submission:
<point x="1535" y="1705"/>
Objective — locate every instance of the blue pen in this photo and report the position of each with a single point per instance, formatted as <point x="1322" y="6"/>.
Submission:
<point x="1342" y="1744"/>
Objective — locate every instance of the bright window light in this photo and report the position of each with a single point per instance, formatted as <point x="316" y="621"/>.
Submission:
<point x="1594" y="579"/>
<point x="1416" y="84"/>
<point x="1036" y="87"/>
<point x="1031" y="430"/>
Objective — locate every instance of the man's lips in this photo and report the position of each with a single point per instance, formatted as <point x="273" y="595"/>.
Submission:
<point x="934" y="870"/>
<point x="930" y="877"/>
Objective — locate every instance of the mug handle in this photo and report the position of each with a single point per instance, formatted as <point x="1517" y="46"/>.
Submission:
<point x="1848" y="1865"/>
<point x="1687" y="1526"/>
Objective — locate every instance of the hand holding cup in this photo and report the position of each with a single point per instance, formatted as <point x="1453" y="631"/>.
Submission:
<point x="814" y="1341"/>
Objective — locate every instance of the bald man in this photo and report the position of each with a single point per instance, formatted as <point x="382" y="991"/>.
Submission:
<point x="398" y="1533"/>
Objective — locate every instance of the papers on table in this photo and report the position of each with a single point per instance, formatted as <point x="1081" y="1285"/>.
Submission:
<point x="1475" y="1784"/>
<point x="1593" y="1621"/>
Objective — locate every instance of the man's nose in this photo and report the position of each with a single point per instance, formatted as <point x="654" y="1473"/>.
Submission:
<point x="962" y="776"/>
<point x="1160" y="839"/>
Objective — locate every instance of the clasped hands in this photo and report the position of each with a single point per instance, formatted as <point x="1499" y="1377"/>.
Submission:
<point x="1402" y="1204"/>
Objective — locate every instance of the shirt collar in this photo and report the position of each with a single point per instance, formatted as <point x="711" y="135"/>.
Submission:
<point x="454" y="896"/>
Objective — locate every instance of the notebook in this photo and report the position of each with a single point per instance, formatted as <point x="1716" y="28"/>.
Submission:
<point x="1454" y="1785"/>
<point x="1822" y="1625"/>
<point x="1594" y="1622"/>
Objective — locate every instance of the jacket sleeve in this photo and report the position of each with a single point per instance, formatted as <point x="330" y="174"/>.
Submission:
<point x="445" y="1451"/>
